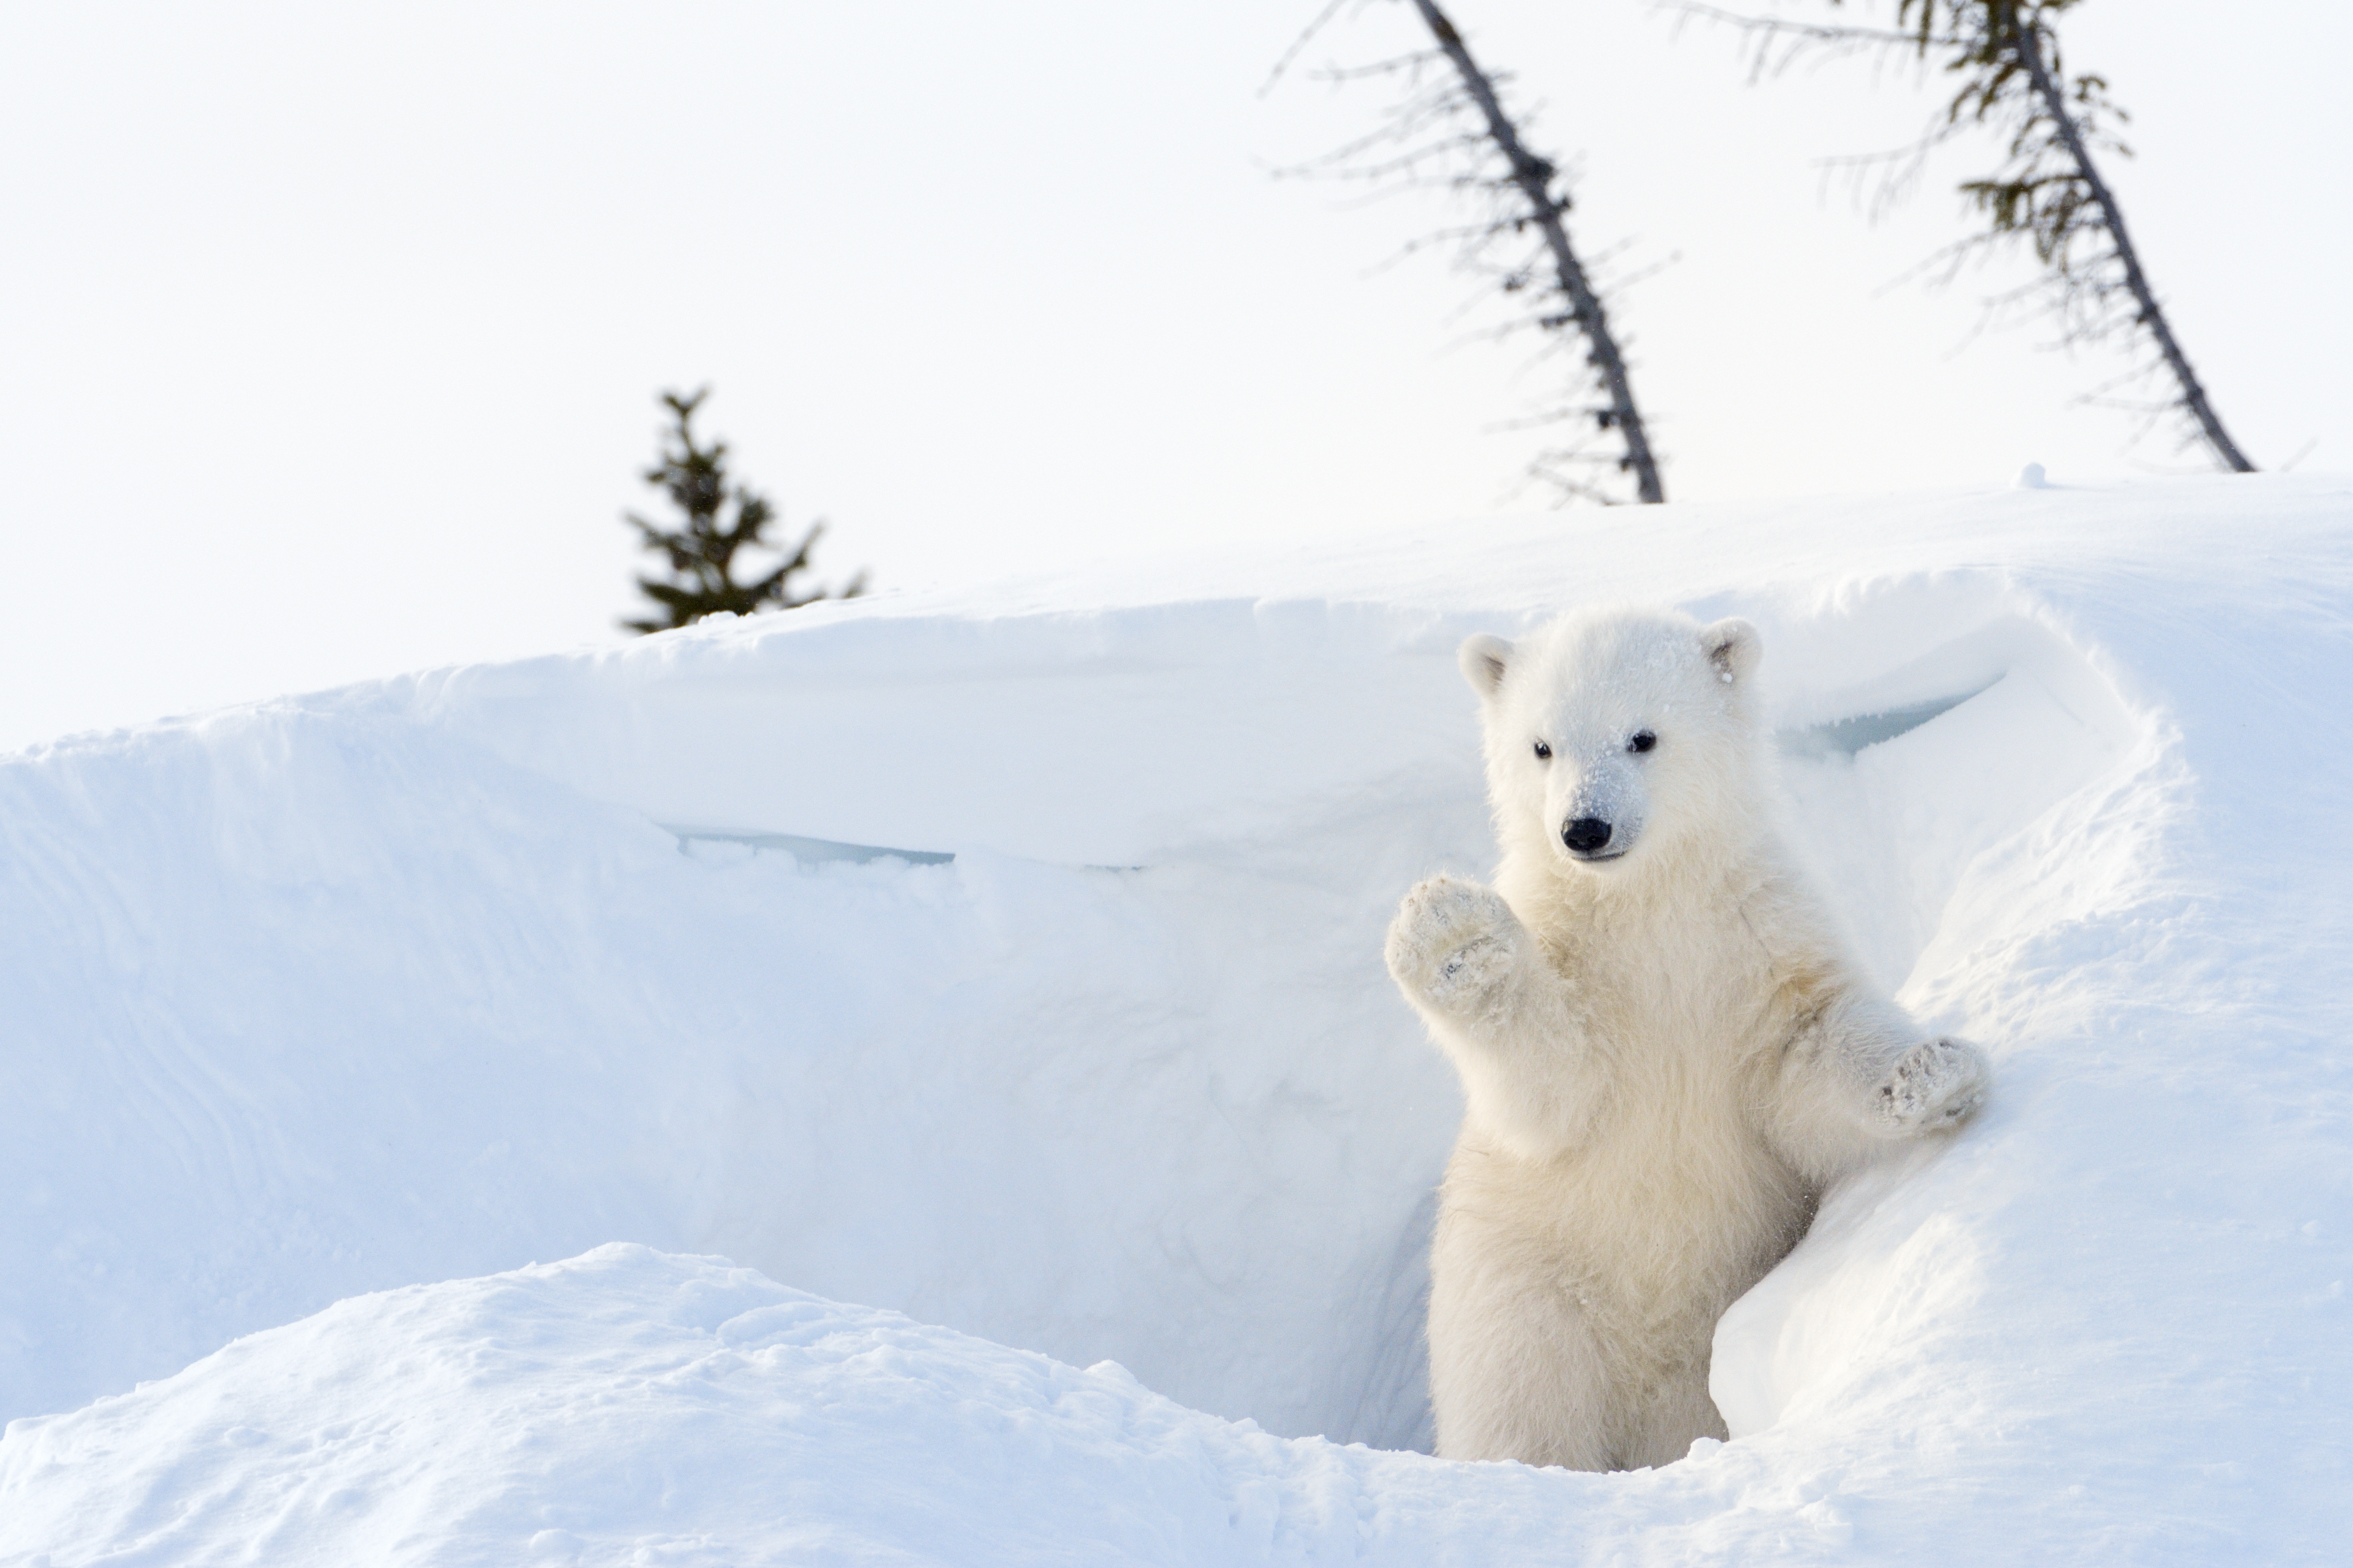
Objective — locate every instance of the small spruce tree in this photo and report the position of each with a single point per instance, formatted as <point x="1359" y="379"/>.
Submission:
<point x="702" y="553"/>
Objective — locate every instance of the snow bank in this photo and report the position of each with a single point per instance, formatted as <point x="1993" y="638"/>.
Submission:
<point x="432" y="977"/>
<point x="631" y="1407"/>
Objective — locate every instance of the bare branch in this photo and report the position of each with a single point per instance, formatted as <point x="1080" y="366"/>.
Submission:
<point x="1298" y="45"/>
<point x="1533" y="176"/>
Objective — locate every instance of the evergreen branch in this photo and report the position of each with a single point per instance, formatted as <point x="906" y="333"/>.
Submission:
<point x="2029" y="47"/>
<point x="2049" y="190"/>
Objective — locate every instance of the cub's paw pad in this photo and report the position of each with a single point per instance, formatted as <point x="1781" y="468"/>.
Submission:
<point x="1453" y="937"/>
<point x="1936" y="1084"/>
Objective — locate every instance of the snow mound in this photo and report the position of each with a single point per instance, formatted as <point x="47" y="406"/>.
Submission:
<point x="1011" y="960"/>
<point x="629" y="1406"/>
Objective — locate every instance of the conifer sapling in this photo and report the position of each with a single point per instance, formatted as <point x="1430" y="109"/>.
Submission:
<point x="702" y="553"/>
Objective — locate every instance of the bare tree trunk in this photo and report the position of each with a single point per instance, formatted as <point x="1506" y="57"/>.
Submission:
<point x="1533" y="176"/>
<point x="2029" y="47"/>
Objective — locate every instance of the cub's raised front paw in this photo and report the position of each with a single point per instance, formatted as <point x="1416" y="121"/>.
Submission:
<point x="1934" y="1085"/>
<point x="1453" y="942"/>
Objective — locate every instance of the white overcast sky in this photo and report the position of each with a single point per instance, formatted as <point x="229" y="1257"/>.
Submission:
<point x="329" y="334"/>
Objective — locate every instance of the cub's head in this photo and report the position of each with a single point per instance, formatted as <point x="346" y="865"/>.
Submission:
<point x="1614" y="734"/>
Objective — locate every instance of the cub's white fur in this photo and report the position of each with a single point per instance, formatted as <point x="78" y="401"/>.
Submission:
<point x="1665" y="1049"/>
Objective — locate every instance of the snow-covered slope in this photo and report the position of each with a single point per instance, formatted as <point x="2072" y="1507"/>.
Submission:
<point x="635" y="1407"/>
<point x="439" y="976"/>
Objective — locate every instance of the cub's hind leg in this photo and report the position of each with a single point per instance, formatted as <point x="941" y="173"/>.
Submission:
<point x="1516" y="1369"/>
<point x="1677" y="1411"/>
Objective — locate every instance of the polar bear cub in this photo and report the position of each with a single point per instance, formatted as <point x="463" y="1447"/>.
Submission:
<point x="1665" y="1049"/>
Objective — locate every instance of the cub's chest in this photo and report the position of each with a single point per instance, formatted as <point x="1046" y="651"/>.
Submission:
<point x="1693" y="991"/>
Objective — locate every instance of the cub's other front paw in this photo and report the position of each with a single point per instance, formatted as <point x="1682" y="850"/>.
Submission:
<point x="1454" y="941"/>
<point x="1936" y="1085"/>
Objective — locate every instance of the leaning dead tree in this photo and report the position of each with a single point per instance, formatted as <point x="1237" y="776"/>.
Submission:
<point x="1533" y="177"/>
<point x="2048" y="190"/>
<point x="1459" y="126"/>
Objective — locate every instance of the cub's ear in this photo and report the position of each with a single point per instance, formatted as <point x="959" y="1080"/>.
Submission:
<point x="1733" y="648"/>
<point x="1484" y="659"/>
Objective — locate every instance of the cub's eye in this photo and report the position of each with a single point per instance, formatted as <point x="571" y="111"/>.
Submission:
<point x="1544" y="753"/>
<point x="1642" y="741"/>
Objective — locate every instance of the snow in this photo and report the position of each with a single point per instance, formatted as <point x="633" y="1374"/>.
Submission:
<point x="555" y="1412"/>
<point x="422" y="980"/>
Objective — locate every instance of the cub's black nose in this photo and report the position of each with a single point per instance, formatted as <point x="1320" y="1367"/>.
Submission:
<point x="1586" y="835"/>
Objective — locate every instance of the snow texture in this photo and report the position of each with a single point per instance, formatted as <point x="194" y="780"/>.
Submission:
<point x="433" y="977"/>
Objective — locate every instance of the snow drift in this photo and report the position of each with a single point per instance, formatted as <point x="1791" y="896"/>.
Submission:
<point x="437" y="976"/>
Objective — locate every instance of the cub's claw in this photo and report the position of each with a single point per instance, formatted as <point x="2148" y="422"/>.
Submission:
<point x="1936" y="1085"/>
<point x="1452" y="939"/>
